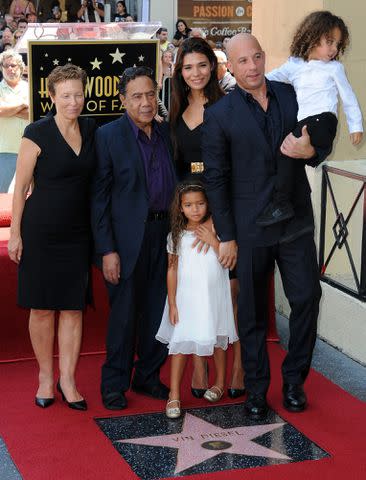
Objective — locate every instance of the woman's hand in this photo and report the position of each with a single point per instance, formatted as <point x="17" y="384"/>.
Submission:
<point x="112" y="268"/>
<point x="15" y="248"/>
<point x="173" y="314"/>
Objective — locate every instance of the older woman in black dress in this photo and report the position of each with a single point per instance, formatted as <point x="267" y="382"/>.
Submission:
<point x="50" y="234"/>
<point x="194" y="87"/>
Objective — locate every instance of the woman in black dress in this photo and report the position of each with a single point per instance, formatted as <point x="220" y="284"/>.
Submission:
<point x="194" y="87"/>
<point x="50" y="232"/>
<point x="182" y="32"/>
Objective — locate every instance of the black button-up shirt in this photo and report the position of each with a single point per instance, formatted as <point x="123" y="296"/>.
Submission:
<point x="268" y="121"/>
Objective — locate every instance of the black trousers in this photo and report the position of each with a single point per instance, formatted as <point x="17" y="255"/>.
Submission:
<point x="322" y="129"/>
<point x="137" y="305"/>
<point x="297" y="263"/>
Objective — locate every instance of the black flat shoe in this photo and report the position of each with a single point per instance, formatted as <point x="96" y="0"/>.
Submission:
<point x="44" y="402"/>
<point x="294" y="398"/>
<point x="198" y="392"/>
<point x="235" y="392"/>
<point x="80" y="405"/>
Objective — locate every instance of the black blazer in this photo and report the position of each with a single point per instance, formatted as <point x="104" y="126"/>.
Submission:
<point x="240" y="169"/>
<point x="120" y="202"/>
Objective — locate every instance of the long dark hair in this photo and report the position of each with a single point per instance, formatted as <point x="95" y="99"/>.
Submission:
<point x="180" y="90"/>
<point x="311" y="30"/>
<point x="178" y="221"/>
<point x="187" y="29"/>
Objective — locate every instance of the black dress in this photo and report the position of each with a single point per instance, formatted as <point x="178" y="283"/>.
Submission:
<point x="54" y="268"/>
<point x="189" y="157"/>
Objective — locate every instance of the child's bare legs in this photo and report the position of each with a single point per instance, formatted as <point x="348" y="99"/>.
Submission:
<point x="214" y="393"/>
<point x="237" y="372"/>
<point x="177" y="365"/>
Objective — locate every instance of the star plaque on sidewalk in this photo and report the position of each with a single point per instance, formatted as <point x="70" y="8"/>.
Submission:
<point x="205" y="440"/>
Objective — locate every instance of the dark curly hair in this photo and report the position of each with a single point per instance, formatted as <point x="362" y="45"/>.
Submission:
<point x="178" y="221"/>
<point x="311" y="30"/>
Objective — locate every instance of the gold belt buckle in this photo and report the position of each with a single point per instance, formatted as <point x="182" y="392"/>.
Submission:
<point x="197" y="167"/>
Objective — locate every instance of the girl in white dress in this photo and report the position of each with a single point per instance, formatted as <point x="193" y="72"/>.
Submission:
<point x="198" y="316"/>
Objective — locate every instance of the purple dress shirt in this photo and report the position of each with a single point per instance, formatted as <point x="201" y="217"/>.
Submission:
<point x="160" y="179"/>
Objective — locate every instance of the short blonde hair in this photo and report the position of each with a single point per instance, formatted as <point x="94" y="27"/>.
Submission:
<point x="6" y="54"/>
<point x="63" y="73"/>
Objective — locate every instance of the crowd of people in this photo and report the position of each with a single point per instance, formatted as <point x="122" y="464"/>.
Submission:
<point x="185" y="218"/>
<point x="15" y="15"/>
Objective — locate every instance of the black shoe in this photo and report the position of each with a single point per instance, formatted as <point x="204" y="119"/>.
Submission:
<point x="256" y="405"/>
<point x="235" y="392"/>
<point x="294" y="398"/>
<point x="44" y="402"/>
<point x="275" y="212"/>
<point x="198" y="392"/>
<point x="80" y="405"/>
<point x="113" y="400"/>
<point x="158" y="391"/>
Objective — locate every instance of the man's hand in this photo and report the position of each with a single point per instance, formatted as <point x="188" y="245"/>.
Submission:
<point x="228" y="254"/>
<point x="112" y="268"/>
<point x="298" y="147"/>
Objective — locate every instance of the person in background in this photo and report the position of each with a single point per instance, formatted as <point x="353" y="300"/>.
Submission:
<point x="197" y="33"/>
<point x="31" y="17"/>
<point x="50" y="235"/>
<point x="20" y="8"/>
<point x="56" y="15"/>
<point x="182" y="32"/>
<point x="121" y="12"/>
<point x="226" y="81"/>
<point x="225" y="42"/>
<point x="166" y="67"/>
<point x="130" y="18"/>
<point x="7" y="38"/>
<point x="22" y="25"/>
<point x="14" y="114"/>
<point x="162" y="36"/>
<point x="91" y="11"/>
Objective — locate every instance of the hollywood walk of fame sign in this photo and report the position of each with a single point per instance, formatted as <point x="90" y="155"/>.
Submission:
<point x="103" y="60"/>
<point x="205" y="440"/>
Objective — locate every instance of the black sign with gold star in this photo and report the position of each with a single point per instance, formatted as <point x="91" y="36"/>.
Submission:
<point x="103" y="61"/>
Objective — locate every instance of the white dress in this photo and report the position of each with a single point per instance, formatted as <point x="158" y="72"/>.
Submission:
<point x="203" y="298"/>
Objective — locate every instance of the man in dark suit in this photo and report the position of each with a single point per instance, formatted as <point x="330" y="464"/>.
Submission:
<point x="241" y="135"/>
<point x="132" y="191"/>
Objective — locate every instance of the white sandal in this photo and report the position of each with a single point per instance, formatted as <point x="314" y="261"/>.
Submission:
<point x="173" y="412"/>
<point x="213" y="394"/>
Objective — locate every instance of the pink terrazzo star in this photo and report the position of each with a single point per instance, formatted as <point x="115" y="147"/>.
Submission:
<point x="200" y="440"/>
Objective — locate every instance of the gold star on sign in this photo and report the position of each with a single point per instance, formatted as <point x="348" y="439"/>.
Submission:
<point x="117" y="56"/>
<point x="96" y="63"/>
<point x="56" y="62"/>
<point x="141" y="58"/>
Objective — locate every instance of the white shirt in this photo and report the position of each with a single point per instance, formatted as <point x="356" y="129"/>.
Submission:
<point x="317" y="85"/>
<point x="11" y="128"/>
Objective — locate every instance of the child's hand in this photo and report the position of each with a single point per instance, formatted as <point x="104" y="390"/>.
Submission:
<point x="356" y="138"/>
<point x="173" y="314"/>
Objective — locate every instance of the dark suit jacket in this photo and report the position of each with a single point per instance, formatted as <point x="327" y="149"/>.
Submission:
<point x="240" y="169"/>
<point x="120" y="200"/>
